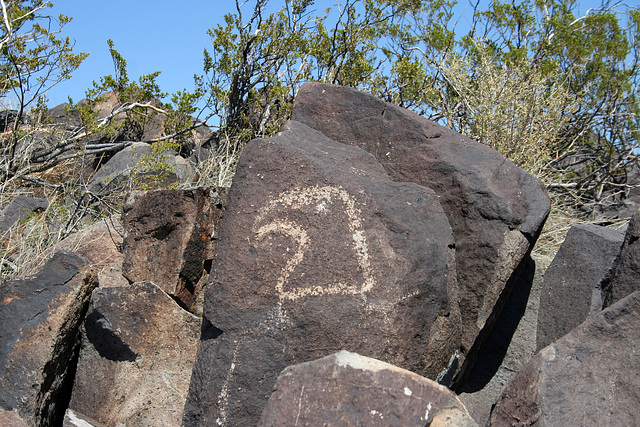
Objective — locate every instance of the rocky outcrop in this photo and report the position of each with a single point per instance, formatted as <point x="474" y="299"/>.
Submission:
<point x="624" y="277"/>
<point x="40" y="319"/>
<point x="320" y="251"/>
<point x="496" y="210"/>
<point x="588" y="377"/>
<point x="348" y="389"/>
<point x="170" y="239"/>
<point x="572" y="290"/>
<point x="138" y="348"/>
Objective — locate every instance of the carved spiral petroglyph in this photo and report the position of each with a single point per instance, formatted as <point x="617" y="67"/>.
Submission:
<point x="323" y="198"/>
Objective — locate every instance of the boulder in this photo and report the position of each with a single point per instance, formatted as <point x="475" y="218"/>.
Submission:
<point x="65" y="117"/>
<point x="571" y="290"/>
<point x="352" y="390"/>
<point x="320" y="251"/>
<point x="40" y="319"/>
<point x="624" y="277"/>
<point x="591" y="376"/>
<point x="171" y="169"/>
<point x="8" y="120"/>
<point x="138" y="348"/>
<point x="170" y="239"/>
<point x="496" y="210"/>
<point x="19" y="209"/>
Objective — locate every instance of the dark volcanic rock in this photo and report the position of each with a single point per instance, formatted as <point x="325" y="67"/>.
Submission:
<point x="40" y="319"/>
<point x="589" y="377"/>
<point x="320" y="251"/>
<point x="496" y="210"/>
<point x="138" y="349"/>
<point x="510" y="345"/>
<point x="346" y="389"/>
<point x="20" y="208"/>
<point x="624" y="277"/>
<point x="170" y="236"/>
<point x="571" y="290"/>
<point x="139" y="163"/>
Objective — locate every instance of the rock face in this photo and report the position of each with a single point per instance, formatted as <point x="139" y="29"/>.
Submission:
<point x="40" y="318"/>
<point x="624" y="277"/>
<point x="19" y="209"/>
<point x="511" y="344"/>
<point x="138" y="348"/>
<point x="348" y="389"/>
<point x="571" y="290"/>
<point x="320" y="251"/>
<point x="591" y="376"/>
<point x="169" y="239"/>
<point x="496" y="210"/>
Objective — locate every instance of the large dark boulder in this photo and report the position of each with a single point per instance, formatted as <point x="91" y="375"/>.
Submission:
<point x="320" y="251"/>
<point x="624" y="276"/>
<point x="571" y="291"/>
<point x="40" y="319"/>
<point x="346" y="389"/>
<point x="170" y="239"/>
<point x="591" y="376"/>
<point x="138" y="349"/>
<point x="496" y="210"/>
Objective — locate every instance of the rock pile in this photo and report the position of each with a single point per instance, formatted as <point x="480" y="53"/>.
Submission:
<point x="361" y="264"/>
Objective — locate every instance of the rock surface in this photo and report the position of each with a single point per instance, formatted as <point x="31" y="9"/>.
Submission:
<point x="73" y="419"/>
<point x="138" y="348"/>
<point x="351" y="390"/>
<point x="132" y="162"/>
<point x="624" y="277"/>
<point x="510" y="345"/>
<point x="320" y="251"/>
<point x="571" y="290"/>
<point x="11" y="419"/>
<point x="100" y="244"/>
<point x="496" y="210"/>
<point x="591" y="376"/>
<point x="40" y="319"/>
<point x="20" y="208"/>
<point x="170" y="239"/>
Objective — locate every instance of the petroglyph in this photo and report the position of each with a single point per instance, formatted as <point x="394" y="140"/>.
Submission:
<point x="320" y="200"/>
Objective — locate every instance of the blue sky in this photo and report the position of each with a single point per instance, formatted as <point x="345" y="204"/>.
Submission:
<point x="162" y="35"/>
<point x="165" y="36"/>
